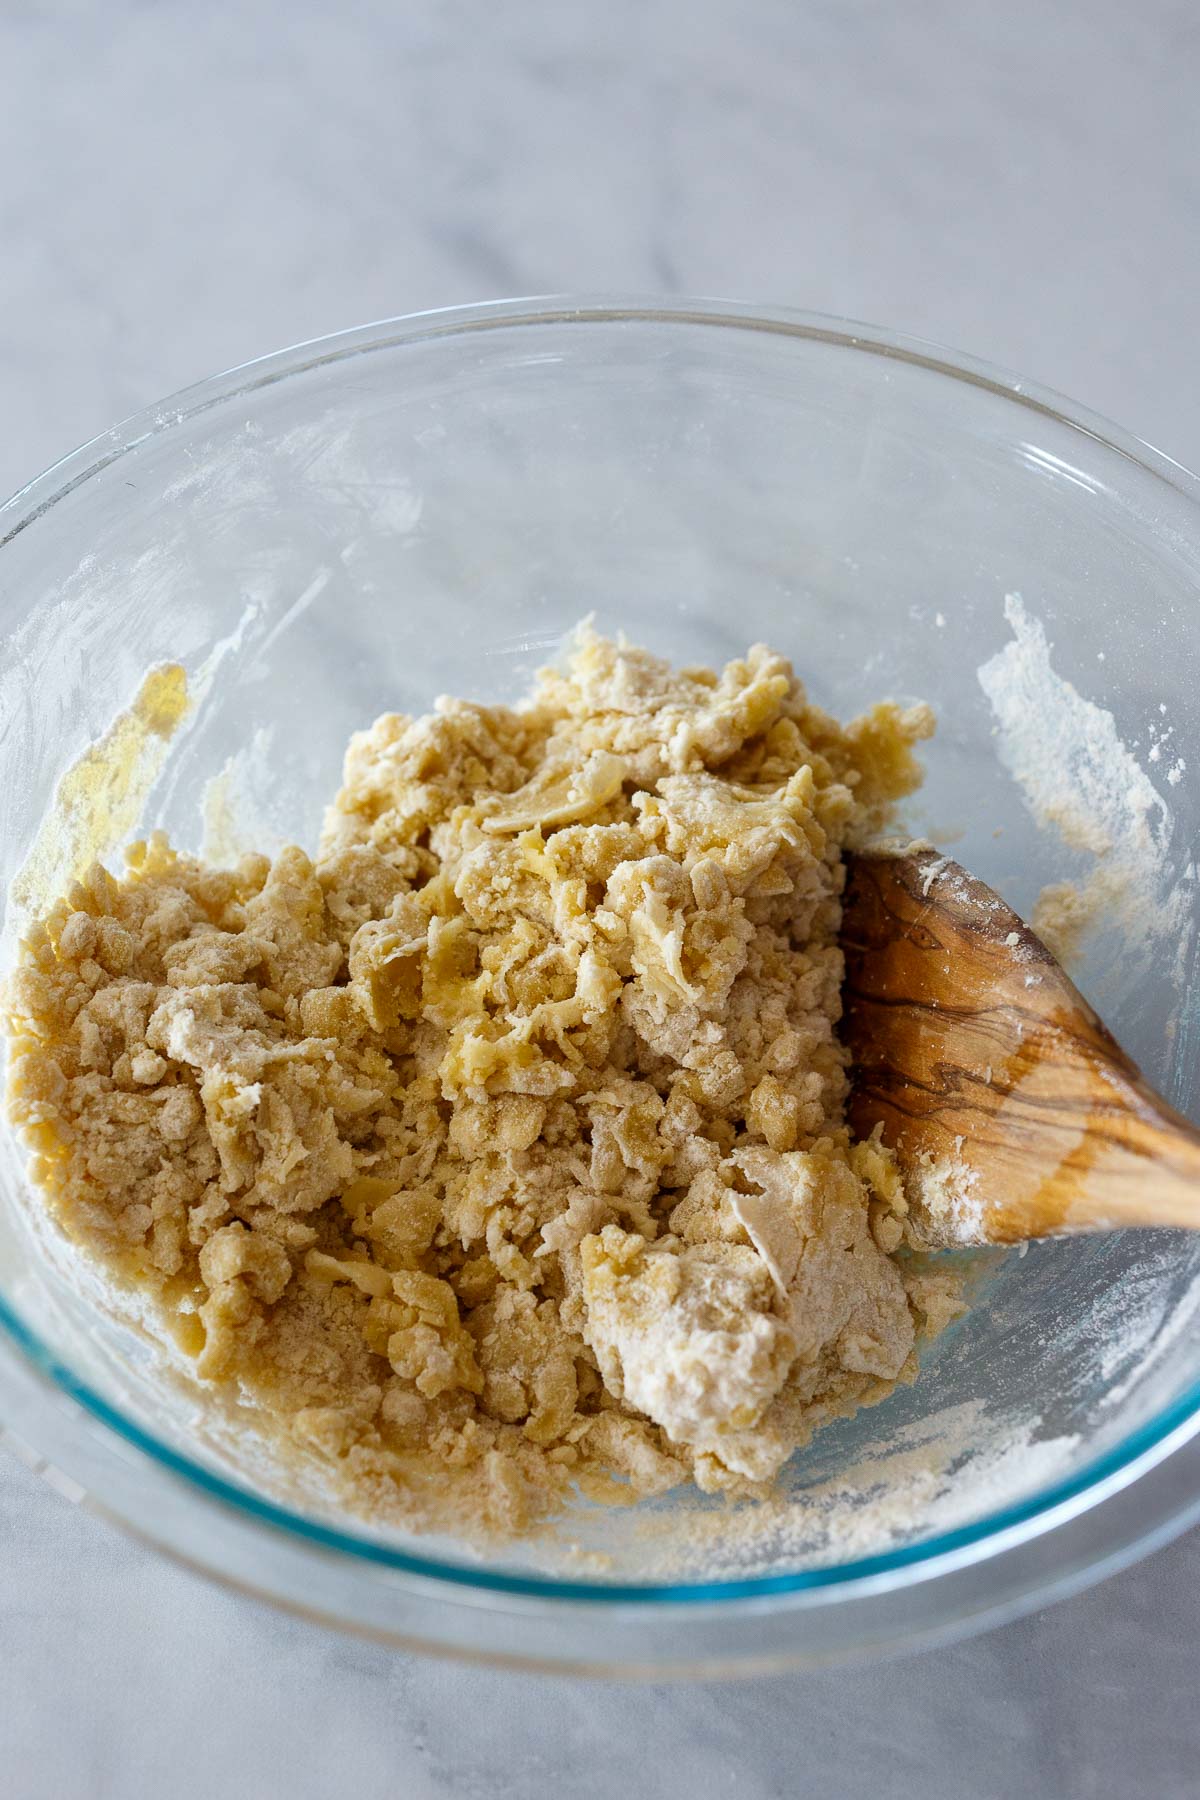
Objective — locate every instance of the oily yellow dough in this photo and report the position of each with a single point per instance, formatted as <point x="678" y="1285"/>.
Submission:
<point x="498" y="1154"/>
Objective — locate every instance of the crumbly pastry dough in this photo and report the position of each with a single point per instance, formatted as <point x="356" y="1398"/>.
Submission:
<point x="498" y="1155"/>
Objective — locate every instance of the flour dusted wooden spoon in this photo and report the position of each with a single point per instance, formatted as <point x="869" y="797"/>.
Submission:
<point x="1014" y="1113"/>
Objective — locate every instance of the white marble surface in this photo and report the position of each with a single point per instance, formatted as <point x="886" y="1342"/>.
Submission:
<point x="185" y="187"/>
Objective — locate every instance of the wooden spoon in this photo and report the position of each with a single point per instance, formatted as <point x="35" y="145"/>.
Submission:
<point x="1013" y="1112"/>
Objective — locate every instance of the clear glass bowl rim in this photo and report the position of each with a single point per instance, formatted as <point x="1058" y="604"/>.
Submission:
<point x="1039" y="1512"/>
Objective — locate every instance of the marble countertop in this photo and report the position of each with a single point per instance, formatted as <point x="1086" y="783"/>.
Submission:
<point x="185" y="188"/>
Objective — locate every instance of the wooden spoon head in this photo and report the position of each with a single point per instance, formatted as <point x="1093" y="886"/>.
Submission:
<point x="1012" y="1110"/>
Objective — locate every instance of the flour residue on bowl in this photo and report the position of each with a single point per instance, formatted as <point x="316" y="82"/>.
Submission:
<point x="1082" y="781"/>
<point x="953" y="1468"/>
<point x="100" y="799"/>
<point x="236" y="805"/>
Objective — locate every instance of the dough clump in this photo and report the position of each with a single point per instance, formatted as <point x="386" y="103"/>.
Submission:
<point x="498" y="1155"/>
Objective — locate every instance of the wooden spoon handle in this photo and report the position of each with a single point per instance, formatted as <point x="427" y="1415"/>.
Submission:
<point x="990" y="1071"/>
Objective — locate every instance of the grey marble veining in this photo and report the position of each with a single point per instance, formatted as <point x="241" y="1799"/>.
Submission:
<point x="184" y="191"/>
<point x="126" y="1677"/>
<point x="185" y="188"/>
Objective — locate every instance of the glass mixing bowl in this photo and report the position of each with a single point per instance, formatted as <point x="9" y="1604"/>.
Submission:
<point x="426" y="506"/>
